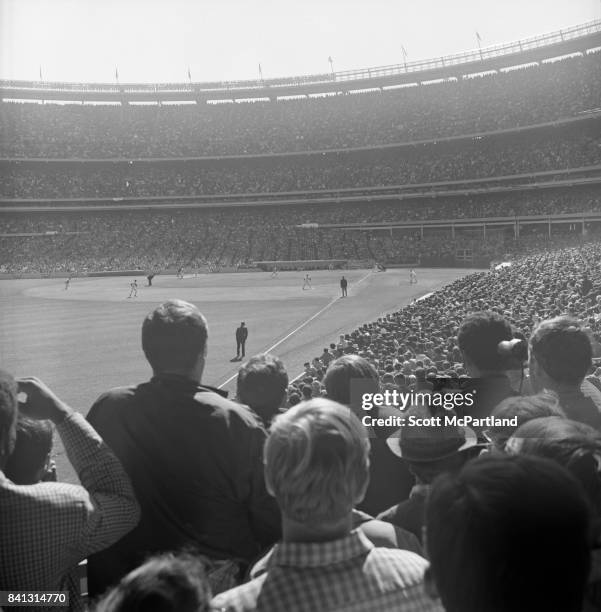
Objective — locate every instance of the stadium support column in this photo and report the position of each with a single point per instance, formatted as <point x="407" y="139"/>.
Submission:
<point x="549" y="227"/>
<point x="484" y="231"/>
<point x="453" y="231"/>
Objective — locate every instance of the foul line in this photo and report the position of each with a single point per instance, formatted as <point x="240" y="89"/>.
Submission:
<point x="271" y="348"/>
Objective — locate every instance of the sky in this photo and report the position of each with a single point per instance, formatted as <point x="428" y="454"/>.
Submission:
<point x="158" y="40"/>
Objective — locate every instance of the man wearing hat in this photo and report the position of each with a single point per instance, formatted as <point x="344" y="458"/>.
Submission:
<point x="428" y="450"/>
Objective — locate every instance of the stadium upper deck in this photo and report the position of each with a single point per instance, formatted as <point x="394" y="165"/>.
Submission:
<point x="576" y="39"/>
<point x="515" y="130"/>
<point x="565" y="90"/>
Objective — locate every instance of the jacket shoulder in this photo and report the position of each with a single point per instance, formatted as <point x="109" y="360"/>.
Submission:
<point x="228" y="409"/>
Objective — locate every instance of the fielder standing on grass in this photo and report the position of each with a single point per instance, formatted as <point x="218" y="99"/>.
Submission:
<point x="133" y="292"/>
<point x="343" y="286"/>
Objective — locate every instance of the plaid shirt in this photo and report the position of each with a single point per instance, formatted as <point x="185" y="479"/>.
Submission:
<point x="346" y="575"/>
<point x="46" y="529"/>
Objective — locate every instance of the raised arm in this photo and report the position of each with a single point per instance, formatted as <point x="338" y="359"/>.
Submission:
<point x="108" y="508"/>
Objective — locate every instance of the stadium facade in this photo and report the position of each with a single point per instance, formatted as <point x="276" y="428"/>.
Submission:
<point x="385" y="163"/>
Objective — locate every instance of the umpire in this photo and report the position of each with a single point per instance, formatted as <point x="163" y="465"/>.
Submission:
<point x="343" y="286"/>
<point x="241" y="336"/>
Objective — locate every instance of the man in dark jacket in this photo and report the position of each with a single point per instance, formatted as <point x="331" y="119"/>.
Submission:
<point x="241" y="336"/>
<point x="194" y="457"/>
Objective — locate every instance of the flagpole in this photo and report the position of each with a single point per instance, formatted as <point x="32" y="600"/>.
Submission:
<point x="41" y="81"/>
<point x="404" y="56"/>
<point x="331" y="62"/>
<point x="260" y="73"/>
<point x="479" y="40"/>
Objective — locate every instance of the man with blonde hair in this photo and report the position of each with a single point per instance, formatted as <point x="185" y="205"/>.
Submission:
<point x="317" y="468"/>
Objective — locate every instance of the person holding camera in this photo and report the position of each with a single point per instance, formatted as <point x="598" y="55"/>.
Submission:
<point x="47" y="528"/>
<point x="30" y="461"/>
<point x="489" y="351"/>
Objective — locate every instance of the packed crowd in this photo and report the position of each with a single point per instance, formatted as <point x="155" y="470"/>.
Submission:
<point x="544" y="93"/>
<point x="309" y="494"/>
<point x="476" y="159"/>
<point x="312" y="495"/>
<point x="118" y="240"/>
<point x="422" y="340"/>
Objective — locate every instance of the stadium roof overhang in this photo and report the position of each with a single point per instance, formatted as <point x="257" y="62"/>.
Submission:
<point x="577" y="39"/>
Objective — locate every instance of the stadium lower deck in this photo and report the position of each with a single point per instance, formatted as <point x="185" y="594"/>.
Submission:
<point x="86" y="339"/>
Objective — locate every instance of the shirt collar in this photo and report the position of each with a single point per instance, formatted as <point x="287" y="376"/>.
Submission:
<point x="316" y="554"/>
<point x="182" y="383"/>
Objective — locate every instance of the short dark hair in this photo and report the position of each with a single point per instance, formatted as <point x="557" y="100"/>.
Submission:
<point x="508" y="533"/>
<point x="165" y="583"/>
<point x="294" y="399"/>
<point x="32" y="447"/>
<point x="262" y="384"/>
<point x="173" y="336"/>
<point x="479" y="336"/>
<point x="524" y="409"/>
<point x="8" y="414"/>
<point x="563" y="349"/>
<point x="342" y="371"/>
<point x="573" y="445"/>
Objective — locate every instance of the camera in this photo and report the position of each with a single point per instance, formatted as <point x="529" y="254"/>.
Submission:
<point x="514" y="352"/>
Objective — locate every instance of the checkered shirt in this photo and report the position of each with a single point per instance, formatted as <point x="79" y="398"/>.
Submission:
<point x="46" y="529"/>
<point x="346" y="575"/>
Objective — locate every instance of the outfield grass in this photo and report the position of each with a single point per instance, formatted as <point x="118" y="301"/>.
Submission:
<point x="86" y="340"/>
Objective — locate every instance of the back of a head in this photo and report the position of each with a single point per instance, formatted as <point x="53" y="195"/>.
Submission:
<point x="562" y="348"/>
<point x="174" y="335"/>
<point x="523" y="409"/>
<point x="26" y="464"/>
<point x="8" y="414"/>
<point x="166" y="583"/>
<point x="316" y="462"/>
<point x="262" y="383"/>
<point x="479" y="337"/>
<point x="307" y="391"/>
<point x="573" y="445"/>
<point x="506" y="534"/>
<point x="346" y="372"/>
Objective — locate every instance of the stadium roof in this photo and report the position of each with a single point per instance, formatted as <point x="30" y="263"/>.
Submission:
<point x="576" y="39"/>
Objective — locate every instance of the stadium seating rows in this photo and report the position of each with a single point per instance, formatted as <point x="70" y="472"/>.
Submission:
<point x="475" y="159"/>
<point x="95" y="241"/>
<point x="539" y="285"/>
<point x="501" y="101"/>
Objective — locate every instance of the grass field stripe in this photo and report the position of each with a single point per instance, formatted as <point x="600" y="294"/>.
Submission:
<point x="383" y="314"/>
<point x="297" y="329"/>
